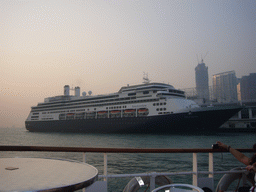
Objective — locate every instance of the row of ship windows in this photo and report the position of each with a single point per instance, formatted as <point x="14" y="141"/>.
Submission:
<point x="155" y="91"/>
<point x="157" y="104"/>
<point x="35" y="116"/>
<point x="102" y="104"/>
<point x="55" y="112"/>
<point x="47" y="118"/>
<point x="144" y="93"/>
<point x="78" y="110"/>
<point x="61" y="118"/>
<point x="88" y="100"/>
<point x="73" y="117"/>
<point x="161" y="113"/>
<point x="94" y="116"/>
<point x="65" y="99"/>
<point x="116" y="107"/>
<point x="161" y="109"/>
<point x="129" y="94"/>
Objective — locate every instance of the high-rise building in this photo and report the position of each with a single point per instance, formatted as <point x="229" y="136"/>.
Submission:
<point x="225" y="87"/>
<point x="202" y="81"/>
<point x="248" y="88"/>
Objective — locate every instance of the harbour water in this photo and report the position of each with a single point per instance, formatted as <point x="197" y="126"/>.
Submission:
<point x="132" y="163"/>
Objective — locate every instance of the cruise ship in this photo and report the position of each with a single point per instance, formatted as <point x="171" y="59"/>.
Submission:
<point x="144" y="108"/>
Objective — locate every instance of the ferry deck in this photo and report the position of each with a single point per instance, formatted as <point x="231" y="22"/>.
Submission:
<point x="102" y="183"/>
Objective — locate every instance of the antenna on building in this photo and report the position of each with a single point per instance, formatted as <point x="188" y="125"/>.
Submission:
<point x="204" y="56"/>
<point x="145" y="78"/>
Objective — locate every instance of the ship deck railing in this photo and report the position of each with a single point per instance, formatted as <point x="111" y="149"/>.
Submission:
<point x="195" y="172"/>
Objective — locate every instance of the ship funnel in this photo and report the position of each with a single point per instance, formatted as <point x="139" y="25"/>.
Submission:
<point x="66" y="90"/>
<point x="77" y="91"/>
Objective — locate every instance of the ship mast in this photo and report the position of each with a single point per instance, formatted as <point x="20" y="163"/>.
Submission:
<point x="145" y="78"/>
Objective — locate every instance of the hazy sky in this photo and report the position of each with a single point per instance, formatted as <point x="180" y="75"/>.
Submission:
<point x="101" y="45"/>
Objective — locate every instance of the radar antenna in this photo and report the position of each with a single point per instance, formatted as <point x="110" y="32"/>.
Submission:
<point x="145" y="78"/>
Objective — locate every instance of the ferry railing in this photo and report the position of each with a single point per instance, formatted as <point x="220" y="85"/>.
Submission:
<point x="195" y="172"/>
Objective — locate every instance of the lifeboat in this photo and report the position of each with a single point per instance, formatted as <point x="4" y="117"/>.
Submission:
<point x="91" y="113"/>
<point x="70" y="116"/>
<point x="115" y="112"/>
<point x="130" y="111"/>
<point x="102" y="112"/>
<point x="142" y="110"/>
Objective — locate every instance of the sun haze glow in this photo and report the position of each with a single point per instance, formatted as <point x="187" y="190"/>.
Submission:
<point x="101" y="45"/>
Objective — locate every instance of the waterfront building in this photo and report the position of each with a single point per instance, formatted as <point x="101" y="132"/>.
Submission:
<point x="239" y="90"/>
<point x="202" y="81"/>
<point x="247" y="87"/>
<point x="225" y="87"/>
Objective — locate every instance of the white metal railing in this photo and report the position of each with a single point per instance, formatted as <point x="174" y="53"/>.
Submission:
<point x="153" y="175"/>
<point x="195" y="172"/>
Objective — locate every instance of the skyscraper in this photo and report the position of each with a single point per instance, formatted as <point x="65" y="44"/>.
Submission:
<point x="202" y="81"/>
<point x="248" y="87"/>
<point x="225" y="87"/>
